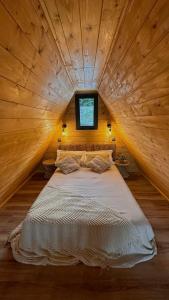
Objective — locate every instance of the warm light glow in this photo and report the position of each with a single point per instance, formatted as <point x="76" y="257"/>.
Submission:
<point x="109" y="127"/>
<point x="64" y="126"/>
<point x="63" y="132"/>
<point x="109" y="131"/>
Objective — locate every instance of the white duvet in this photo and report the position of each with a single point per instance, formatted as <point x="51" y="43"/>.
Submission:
<point x="84" y="217"/>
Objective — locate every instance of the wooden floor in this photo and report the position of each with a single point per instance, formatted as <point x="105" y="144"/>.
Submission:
<point x="146" y="281"/>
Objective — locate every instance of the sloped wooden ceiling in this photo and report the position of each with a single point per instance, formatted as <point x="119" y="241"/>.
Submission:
<point x="135" y="86"/>
<point x="121" y="47"/>
<point x="84" y="31"/>
<point x="50" y="48"/>
<point x="34" y="90"/>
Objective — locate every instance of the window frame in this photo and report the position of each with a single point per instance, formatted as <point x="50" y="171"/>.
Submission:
<point x="77" y="110"/>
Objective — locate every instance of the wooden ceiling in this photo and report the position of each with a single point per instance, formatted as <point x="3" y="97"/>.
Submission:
<point x="50" y="48"/>
<point x="121" y="48"/>
<point x="84" y="31"/>
<point x="34" y="90"/>
<point x="135" y="86"/>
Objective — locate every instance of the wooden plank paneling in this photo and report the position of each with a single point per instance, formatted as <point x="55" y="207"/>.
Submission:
<point x="135" y="87"/>
<point x="84" y="32"/>
<point x="11" y="68"/>
<point x="90" y="26"/>
<point x="55" y="19"/>
<point x="101" y="135"/>
<point x="82" y="136"/>
<point x="21" y="152"/>
<point x="26" y="18"/>
<point x="49" y="48"/>
<point x="73" y="136"/>
<point x="47" y="66"/>
<point x="12" y="92"/>
<point x="34" y="90"/>
<point x="110" y="19"/>
<point x="70" y="22"/>
<point x="26" y="52"/>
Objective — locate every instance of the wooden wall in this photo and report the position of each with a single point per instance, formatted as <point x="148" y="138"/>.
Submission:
<point x="84" y="31"/>
<point x="73" y="136"/>
<point x="135" y="86"/>
<point x="50" y="47"/>
<point x="121" y="47"/>
<point x="99" y="136"/>
<point x="34" y="90"/>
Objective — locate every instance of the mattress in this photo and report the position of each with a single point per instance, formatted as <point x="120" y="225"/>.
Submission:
<point x="84" y="217"/>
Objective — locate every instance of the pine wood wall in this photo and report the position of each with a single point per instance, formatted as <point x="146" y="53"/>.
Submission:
<point x="50" y="48"/>
<point x="99" y="136"/>
<point x="121" y="47"/>
<point x="135" y="86"/>
<point x="34" y="90"/>
<point x="73" y="136"/>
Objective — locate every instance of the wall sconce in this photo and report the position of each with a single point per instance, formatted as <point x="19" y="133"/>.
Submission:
<point x="64" y="126"/>
<point x="109" y="127"/>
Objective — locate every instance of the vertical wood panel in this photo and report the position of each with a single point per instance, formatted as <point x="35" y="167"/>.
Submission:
<point x="90" y="13"/>
<point x="110" y="19"/>
<point x="84" y="32"/>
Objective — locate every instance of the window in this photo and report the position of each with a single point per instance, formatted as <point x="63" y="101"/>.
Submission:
<point x="86" y="111"/>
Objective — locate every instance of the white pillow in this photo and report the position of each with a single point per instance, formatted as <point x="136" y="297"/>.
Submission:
<point x="99" y="164"/>
<point x="77" y="155"/>
<point x="105" y="154"/>
<point x="68" y="165"/>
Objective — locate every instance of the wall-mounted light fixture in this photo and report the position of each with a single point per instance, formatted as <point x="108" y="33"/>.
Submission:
<point x="64" y="126"/>
<point x="109" y="127"/>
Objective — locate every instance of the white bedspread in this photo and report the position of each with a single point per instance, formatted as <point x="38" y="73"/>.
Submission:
<point x="84" y="217"/>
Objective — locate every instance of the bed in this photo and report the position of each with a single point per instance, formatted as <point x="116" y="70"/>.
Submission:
<point x="84" y="217"/>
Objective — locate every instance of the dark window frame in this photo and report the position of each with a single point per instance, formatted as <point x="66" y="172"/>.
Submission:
<point x="77" y="110"/>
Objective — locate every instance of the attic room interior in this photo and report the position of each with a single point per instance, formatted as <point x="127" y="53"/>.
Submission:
<point x="84" y="147"/>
